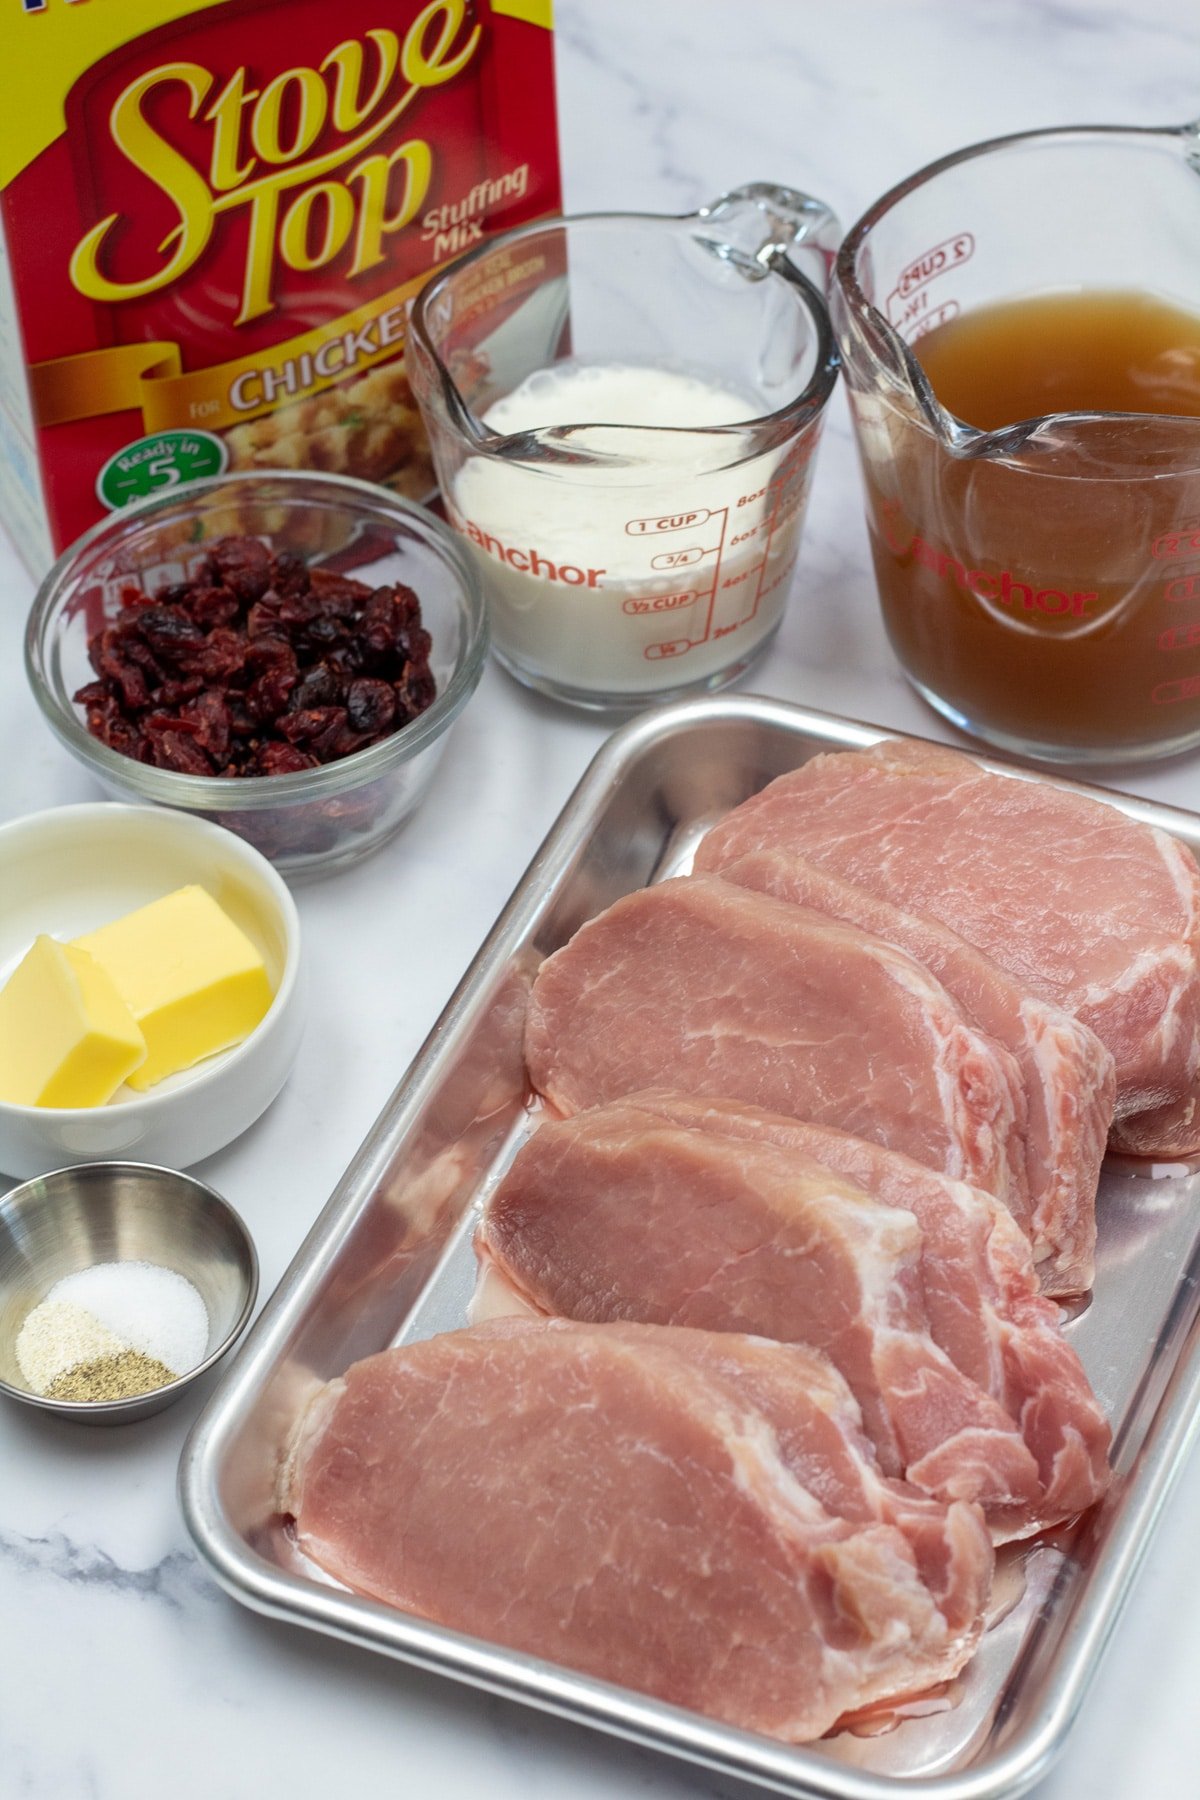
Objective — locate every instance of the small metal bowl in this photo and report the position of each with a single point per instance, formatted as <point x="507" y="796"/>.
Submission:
<point x="121" y="1212"/>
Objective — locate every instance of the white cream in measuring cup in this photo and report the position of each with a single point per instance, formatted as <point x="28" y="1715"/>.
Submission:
<point x="598" y="582"/>
<point x="623" y="411"/>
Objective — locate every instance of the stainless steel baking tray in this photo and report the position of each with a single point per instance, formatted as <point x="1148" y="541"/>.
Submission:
<point x="389" y="1261"/>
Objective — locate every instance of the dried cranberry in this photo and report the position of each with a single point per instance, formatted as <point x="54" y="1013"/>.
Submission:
<point x="333" y="741"/>
<point x="106" y="722"/>
<point x="345" y="660"/>
<point x="210" y="714"/>
<point x="416" y="689"/>
<point x="321" y="633"/>
<point x="241" y="721"/>
<point x="370" y="706"/>
<point x="169" y="632"/>
<point x="339" y="596"/>
<point x="243" y="564"/>
<point x="284" y="759"/>
<point x="177" y="749"/>
<point x="256" y="666"/>
<point x="179" y="691"/>
<point x="298" y="609"/>
<point x="291" y="575"/>
<point x="210" y="606"/>
<point x="303" y="727"/>
<point x="267" y="696"/>
<point x="343" y="742"/>
<point x="130" y="682"/>
<point x="154" y="724"/>
<point x="224" y="656"/>
<point x="271" y="652"/>
<point x="317" y="687"/>
<point x="263" y="619"/>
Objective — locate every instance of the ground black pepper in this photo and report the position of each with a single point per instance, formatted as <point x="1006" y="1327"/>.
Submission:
<point x="117" y="1377"/>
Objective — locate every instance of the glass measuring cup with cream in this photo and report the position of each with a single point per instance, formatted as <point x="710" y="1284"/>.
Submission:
<point x="623" y="411"/>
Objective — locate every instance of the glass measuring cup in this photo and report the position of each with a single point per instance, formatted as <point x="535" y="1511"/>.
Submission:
<point x="628" y="562"/>
<point x="1040" y="582"/>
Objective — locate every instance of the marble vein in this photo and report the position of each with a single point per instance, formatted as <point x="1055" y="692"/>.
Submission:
<point x="176" y="1579"/>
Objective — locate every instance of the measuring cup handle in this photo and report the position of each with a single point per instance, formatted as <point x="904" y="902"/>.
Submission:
<point x="763" y="223"/>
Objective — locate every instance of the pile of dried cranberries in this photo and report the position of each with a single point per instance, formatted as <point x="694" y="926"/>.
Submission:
<point x="257" y="665"/>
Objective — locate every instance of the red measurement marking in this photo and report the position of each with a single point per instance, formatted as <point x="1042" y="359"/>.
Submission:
<point x="678" y="559"/>
<point x="682" y="521"/>
<point x="705" y="631"/>
<point x="950" y="254"/>
<point x="939" y="315"/>
<point x="1180" y="637"/>
<point x="1177" y="546"/>
<point x="791" y="491"/>
<point x="1170" y="693"/>
<point x="772" y="523"/>
<point x="654" y="603"/>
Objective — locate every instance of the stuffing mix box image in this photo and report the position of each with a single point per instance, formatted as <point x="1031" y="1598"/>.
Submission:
<point x="212" y="217"/>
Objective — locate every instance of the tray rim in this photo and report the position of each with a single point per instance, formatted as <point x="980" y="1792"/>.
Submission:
<point x="1135" y="1505"/>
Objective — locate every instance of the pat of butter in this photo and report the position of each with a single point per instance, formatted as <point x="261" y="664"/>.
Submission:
<point x="191" y="978"/>
<point x="66" y="1036"/>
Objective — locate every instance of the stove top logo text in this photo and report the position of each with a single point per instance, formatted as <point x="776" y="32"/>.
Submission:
<point x="260" y="141"/>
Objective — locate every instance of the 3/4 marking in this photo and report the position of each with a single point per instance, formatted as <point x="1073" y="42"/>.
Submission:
<point x="678" y="559"/>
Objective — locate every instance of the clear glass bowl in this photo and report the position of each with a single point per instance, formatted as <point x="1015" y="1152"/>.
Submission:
<point x="320" y="819"/>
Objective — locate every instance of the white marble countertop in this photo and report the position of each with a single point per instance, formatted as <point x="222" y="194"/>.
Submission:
<point x="124" y="1673"/>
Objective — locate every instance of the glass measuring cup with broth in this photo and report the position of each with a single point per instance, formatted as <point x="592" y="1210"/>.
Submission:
<point x="1020" y="329"/>
<point x="623" y="410"/>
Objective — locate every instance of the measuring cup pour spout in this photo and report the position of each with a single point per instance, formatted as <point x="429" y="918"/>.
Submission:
<point x="760" y="224"/>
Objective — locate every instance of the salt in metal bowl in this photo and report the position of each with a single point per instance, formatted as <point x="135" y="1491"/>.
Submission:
<point x="104" y="1212"/>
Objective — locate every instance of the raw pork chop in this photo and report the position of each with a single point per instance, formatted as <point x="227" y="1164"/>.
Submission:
<point x="696" y="1518"/>
<point x="1069" y="1082"/>
<point x="981" y="1293"/>
<point x="1082" y="905"/>
<point x="616" y="1215"/>
<point x="722" y="992"/>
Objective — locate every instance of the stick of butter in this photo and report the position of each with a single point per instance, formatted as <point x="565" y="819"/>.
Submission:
<point x="66" y="1036"/>
<point x="191" y="978"/>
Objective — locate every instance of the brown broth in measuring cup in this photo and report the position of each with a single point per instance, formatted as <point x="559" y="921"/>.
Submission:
<point x="1092" y="352"/>
<point x="1052" y="600"/>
